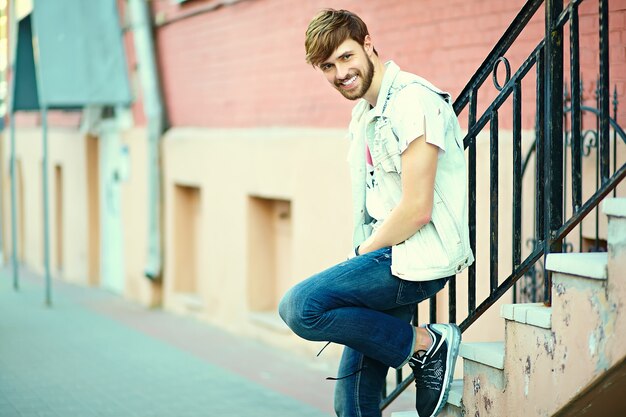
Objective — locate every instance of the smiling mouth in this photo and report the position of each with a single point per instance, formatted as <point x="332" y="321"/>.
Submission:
<point x="349" y="82"/>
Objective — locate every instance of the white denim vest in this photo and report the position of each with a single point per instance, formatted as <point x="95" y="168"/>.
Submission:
<point x="441" y="247"/>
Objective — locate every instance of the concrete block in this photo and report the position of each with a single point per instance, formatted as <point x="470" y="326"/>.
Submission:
<point x="456" y="393"/>
<point x="570" y="353"/>
<point x="451" y="410"/>
<point x="483" y="390"/>
<point x="535" y="314"/>
<point x="487" y="353"/>
<point x="614" y="207"/>
<point x="588" y="265"/>
<point x="540" y="316"/>
<point x="616" y="239"/>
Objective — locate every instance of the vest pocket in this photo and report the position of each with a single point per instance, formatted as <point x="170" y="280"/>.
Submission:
<point x="384" y="148"/>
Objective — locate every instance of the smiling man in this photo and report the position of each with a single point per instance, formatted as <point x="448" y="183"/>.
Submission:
<point x="410" y="225"/>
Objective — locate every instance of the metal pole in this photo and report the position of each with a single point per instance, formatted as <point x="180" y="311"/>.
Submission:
<point x="553" y="163"/>
<point x="13" y="35"/>
<point x="604" y="92"/>
<point x="154" y="110"/>
<point x="16" y="279"/>
<point x="46" y="225"/>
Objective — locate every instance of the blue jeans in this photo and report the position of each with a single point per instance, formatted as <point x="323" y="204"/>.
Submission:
<point x="361" y="305"/>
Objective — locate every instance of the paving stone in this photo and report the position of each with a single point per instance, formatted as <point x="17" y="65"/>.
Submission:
<point x="72" y="360"/>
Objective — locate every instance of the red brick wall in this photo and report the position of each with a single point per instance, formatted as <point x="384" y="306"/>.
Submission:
<point x="242" y="65"/>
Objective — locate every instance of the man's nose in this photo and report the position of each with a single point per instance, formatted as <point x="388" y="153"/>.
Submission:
<point x="342" y="71"/>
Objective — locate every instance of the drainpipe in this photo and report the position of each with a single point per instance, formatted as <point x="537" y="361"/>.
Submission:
<point x="141" y="24"/>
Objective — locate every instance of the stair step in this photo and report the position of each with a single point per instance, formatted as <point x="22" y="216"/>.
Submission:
<point x="615" y="207"/>
<point x="487" y="353"/>
<point x="588" y="265"/>
<point x="456" y="393"/>
<point x="535" y="314"/>
<point x="454" y="398"/>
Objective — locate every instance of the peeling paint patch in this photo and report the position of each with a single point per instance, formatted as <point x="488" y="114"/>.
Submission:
<point x="567" y="316"/>
<point x="527" y="369"/>
<point x="488" y="403"/>
<point x="476" y="383"/>
<point x="549" y="344"/>
<point x="476" y="414"/>
<point x="526" y="384"/>
<point x="593" y="344"/>
<point x="606" y="321"/>
<point x="560" y="288"/>
<point x="562" y="367"/>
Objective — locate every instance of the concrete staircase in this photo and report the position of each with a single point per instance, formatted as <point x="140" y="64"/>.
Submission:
<point x="555" y="358"/>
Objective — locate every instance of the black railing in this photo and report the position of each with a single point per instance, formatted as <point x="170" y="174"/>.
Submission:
<point x="583" y="144"/>
<point x="551" y="228"/>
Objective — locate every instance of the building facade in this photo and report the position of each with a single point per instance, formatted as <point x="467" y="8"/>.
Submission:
<point x="253" y="179"/>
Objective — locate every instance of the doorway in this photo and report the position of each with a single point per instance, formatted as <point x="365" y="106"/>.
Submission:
<point x="112" y="242"/>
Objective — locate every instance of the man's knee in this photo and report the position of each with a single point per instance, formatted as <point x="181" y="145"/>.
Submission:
<point x="285" y="311"/>
<point x="292" y="308"/>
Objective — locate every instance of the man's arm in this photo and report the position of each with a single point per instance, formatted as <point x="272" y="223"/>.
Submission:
<point x="419" y="166"/>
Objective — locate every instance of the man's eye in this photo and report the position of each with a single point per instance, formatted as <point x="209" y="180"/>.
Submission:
<point x="326" y="67"/>
<point x="347" y="57"/>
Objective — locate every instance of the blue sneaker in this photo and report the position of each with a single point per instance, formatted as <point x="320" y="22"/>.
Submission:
<point x="434" y="369"/>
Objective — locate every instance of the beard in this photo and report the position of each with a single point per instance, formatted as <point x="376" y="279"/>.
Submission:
<point x="366" y="82"/>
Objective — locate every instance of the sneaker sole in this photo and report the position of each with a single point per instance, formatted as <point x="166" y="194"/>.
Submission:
<point x="453" y="352"/>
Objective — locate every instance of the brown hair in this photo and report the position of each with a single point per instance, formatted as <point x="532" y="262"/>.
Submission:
<point x="329" y="29"/>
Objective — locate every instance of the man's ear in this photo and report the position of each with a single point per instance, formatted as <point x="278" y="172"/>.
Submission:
<point x="368" y="46"/>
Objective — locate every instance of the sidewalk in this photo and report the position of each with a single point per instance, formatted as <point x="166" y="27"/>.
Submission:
<point x="94" y="354"/>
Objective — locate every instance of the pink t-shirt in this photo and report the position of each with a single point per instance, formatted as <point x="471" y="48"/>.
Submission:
<point x="374" y="202"/>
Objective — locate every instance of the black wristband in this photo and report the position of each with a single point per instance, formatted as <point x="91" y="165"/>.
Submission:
<point x="356" y="250"/>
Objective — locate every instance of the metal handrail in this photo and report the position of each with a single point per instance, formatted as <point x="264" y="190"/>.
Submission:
<point x="550" y="228"/>
<point x="612" y="122"/>
<point x="510" y="35"/>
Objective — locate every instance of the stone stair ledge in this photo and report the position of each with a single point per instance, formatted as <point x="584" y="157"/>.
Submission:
<point x="587" y="265"/>
<point x="486" y="353"/>
<point x="535" y="314"/>
<point x="614" y="207"/>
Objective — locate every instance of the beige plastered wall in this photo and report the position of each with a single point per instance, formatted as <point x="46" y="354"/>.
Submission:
<point x="308" y="168"/>
<point x="228" y="170"/>
<point x="77" y="227"/>
<point x="67" y="155"/>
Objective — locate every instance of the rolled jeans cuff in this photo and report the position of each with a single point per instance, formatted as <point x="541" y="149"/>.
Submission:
<point x="412" y="349"/>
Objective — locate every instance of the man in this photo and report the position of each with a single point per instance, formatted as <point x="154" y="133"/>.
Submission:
<point x="410" y="225"/>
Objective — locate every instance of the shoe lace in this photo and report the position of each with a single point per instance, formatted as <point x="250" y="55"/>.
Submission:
<point x="331" y="378"/>
<point x="325" y="346"/>
<point x="428" y="372"/>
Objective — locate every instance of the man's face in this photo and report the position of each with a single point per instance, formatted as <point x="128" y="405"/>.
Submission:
<point x="349" y="69"/>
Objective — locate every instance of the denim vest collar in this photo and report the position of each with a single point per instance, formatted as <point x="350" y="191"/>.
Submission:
<point x="391" y="72"/>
